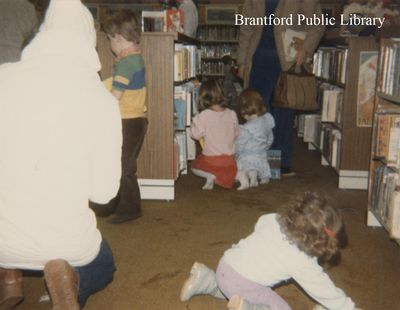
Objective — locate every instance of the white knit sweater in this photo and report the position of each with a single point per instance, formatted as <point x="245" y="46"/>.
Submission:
<point x="60" y="144"/>
<point x="266" y="257"/>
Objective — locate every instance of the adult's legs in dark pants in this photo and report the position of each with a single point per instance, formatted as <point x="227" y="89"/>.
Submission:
<point x="263" y="76"/>
<point x="96" y="275"/>
<point x="128" y="201"/>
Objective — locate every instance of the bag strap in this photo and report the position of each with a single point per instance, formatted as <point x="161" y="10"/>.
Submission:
<point x="299" y="70"/>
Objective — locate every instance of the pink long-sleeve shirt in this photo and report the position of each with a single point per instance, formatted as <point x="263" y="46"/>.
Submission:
<point x="219" y="130"/>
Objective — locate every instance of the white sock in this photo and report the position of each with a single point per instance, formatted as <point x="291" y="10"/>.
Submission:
<point x="210" y="178"/>
<point x="209" y="184"/>
<point x="243" y="179"/>
<point x="253" y="178"/>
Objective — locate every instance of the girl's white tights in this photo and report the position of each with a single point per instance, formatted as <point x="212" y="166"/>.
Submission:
<point x="243" y="179"/>
<point x="253" y="178"/>
<point x="247" y="179"/>
<point x="210" y="178"/>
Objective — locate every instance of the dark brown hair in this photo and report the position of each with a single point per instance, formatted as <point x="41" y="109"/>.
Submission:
<point x="125" y="23"/>
<point x="250" y="102"/>
<point x="312" y="225"/>
<point x="210" y="94"/>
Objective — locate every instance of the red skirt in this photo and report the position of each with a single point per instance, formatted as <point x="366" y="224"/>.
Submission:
<point x="223" y="167"/>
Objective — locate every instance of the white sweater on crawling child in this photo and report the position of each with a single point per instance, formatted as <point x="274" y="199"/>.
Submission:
<point x="267" y="257"/>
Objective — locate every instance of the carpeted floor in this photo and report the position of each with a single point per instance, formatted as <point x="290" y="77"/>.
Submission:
<point x="154" y="253"/>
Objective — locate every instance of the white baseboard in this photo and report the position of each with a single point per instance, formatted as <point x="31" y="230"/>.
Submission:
<point x="311" y="146"/>
<point x="324" y="162"/>
<point x="353" y="179"/>
<point x="157" y="189"/>
<point x="372" y="221"/>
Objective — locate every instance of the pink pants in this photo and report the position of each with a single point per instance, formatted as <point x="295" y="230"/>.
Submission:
<point x="232" y="283"/>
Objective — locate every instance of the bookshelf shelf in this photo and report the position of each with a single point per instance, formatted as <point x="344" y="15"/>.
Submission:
<point x="383" y="187"/>
<point x="345" y="144"/>
<point x="219" y="41"/>
<point x="334" y="125"/>
<point x="333" y="82"/>
<point x="390" y="98"/>
<point x="216" y="39"/>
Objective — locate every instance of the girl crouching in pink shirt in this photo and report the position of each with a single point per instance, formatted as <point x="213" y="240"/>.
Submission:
<point x="219" y="127"/>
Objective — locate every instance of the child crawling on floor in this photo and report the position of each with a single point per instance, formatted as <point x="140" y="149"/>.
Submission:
<point x="284" y="245"/>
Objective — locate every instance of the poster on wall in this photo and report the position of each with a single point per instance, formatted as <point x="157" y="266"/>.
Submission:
<point x="366" y="88"/>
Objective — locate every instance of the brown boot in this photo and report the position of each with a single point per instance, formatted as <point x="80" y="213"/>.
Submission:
<point x="11" y="290"/>
<point x="62" y="283"/>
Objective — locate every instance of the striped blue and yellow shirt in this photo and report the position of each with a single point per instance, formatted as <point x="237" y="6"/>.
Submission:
<point x="129" y="78"/>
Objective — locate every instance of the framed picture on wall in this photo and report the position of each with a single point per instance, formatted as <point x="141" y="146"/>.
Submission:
<point x="218" y="14"/>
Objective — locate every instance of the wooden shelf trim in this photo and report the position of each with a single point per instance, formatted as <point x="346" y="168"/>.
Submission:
<point x="391" y="98"/>
<point x="329" y="81"/>
<point x="177" y="36"/>
<point x="219" y="41"/>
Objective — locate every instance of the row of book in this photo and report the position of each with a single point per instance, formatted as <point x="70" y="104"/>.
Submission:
<point x="385" y="199"/>
<point x="330" y="63"/>
<point x="331" y="100"/>
<point x="185" y="107"/>
<point x="323" y="136"/>
<point x="185" y="104"/>
<point x="184" y="150"/>
<point x="390" y="71"/>
<point x="310" y="128"/>
<point x="217" y="33"/>
<point x="386" y="142"/>
<point x="330" y="144"/>
<point x="218" y="51"/>
<point x="212" y="68"/>
<point x="186" y="62"/>
<point x="161" y="21"/>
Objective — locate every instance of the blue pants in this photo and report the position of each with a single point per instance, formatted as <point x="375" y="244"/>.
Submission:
<point x="263" y="76"/>
<point x="96" y="275"/>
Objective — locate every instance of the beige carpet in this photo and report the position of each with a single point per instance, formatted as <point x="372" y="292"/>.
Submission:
<point x="154" y="253"/>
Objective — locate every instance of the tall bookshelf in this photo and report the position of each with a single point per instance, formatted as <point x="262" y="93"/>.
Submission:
<point x="345" y="138"/>
<point x="384" y="190"/>
<point x="218" y="36"/>
<point x="158" y="159"/>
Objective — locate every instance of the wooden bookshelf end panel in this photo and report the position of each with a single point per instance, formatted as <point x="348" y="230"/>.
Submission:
<point x="356" y="141"/>
<point x="156" y="157"/>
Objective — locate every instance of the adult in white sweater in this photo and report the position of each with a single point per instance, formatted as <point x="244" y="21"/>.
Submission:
<point x="283" y="246"/>
<point x="60" y="146"/>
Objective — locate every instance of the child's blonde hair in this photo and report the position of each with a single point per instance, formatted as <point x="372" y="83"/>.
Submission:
<point x="210" y="94"/>
<point x="312" y="225"/>
<point x="250" y="102"/>
<point x="125" y="23"/>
